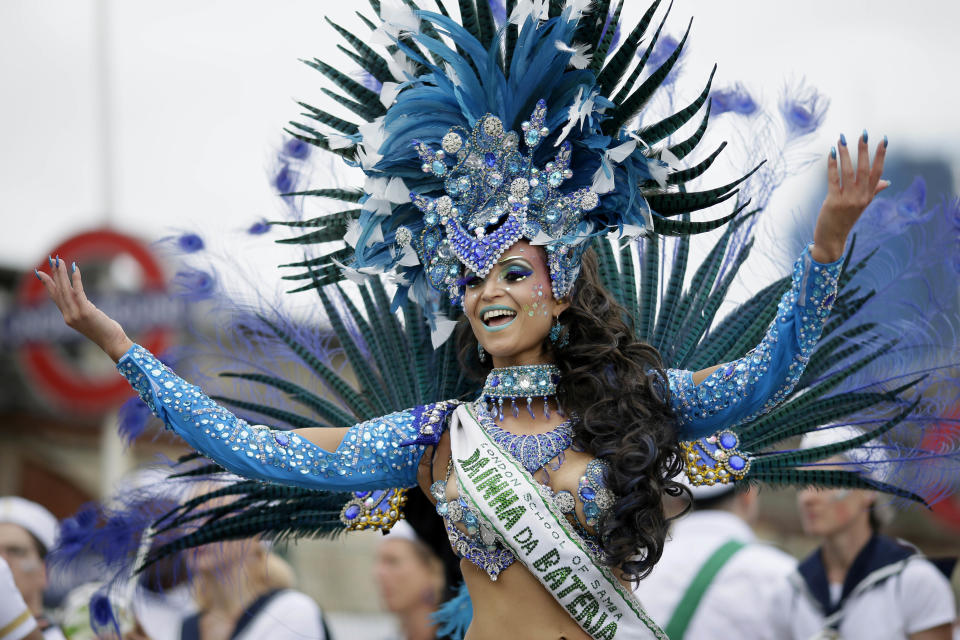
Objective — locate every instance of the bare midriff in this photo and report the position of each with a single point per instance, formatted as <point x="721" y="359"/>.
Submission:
<point x="516" y="605"/>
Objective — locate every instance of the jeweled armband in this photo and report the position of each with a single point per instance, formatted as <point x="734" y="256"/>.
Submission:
<point x="714" y="460"/>
<point x="379" y="509"/>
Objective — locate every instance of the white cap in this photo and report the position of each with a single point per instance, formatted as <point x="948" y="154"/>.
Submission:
<point x="402" y="530"/>
<point x="704" y="491"/>
<point x="32" y="517"/>
<point x="870" y="459"/>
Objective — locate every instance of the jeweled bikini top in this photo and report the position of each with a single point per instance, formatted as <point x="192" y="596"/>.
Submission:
<point x="472" y="539"/>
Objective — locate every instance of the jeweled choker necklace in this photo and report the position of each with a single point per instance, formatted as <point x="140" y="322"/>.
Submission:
<point x="518" y="383"/>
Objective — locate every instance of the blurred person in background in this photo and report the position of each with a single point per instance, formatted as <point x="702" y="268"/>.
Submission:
<point x="714" y="568"/>
<point x="859" y="583"/>
<point x="244" y="592"/>
<point x="410" y="578"/>
<point x="16" y="619"/>
<point x="27" y="532"/>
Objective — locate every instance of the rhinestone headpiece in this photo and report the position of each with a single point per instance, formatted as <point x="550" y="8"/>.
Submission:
<point x="494" y="197"/>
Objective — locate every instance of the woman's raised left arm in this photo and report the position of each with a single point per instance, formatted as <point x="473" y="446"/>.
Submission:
<point x="728" y="394"/>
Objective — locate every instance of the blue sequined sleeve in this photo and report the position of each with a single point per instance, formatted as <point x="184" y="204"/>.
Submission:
<point x="749" y="387"/>
<point x="372" y="455"/>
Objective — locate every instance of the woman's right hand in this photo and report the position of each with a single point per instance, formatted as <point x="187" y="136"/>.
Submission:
<point x="66" y="290"/>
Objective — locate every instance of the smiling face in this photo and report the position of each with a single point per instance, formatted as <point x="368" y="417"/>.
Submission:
<point x="512" y="309"/>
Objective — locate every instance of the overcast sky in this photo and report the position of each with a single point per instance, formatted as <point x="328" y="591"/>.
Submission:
<point x="196" y="93"/>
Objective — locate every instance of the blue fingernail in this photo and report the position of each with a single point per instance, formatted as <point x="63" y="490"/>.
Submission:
<point x="73" y="267"/>
<point x="843" y="140"/>
<point x="885" y="142"/>
<point x="864" y="135"/>
<point x="51" y="261"/>
<point x="833" y="152"/>
<point x="37" y="273"/>
<point x="58" y="260"/>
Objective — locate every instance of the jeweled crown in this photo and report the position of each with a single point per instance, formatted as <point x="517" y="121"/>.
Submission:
<point x="494" y="197"/>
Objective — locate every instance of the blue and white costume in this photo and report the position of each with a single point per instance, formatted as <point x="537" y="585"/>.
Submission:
<point x="386" y="452"/>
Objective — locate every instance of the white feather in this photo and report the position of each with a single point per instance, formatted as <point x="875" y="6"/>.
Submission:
<point x="452" y="74"/>
<point x="397" y="19"/>
<point x="337" y="141"/>
<point x="578" y="112"/>
<point x="667" y="156"/>
<point x="543" y="238"/>
<point x="442" y="328"/>
<point x="621" y="152"/>
<point x="658" y="171"/>
<point x="577" y="8"/>
<point x="373" y="135"/>
<point x="355" y="275"/>
<point x="396" y="191"/>
<point x="580" y="59"/>
<point x="603" y="180"/>
<point x="388" y="93"/>
<point x="353" y="233"/>
<point x="539" y="9"/>
<point x="409" y="257"/>
<point x="401" y="67"/>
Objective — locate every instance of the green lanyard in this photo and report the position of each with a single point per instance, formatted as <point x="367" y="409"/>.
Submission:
<point x="682" y="615"/>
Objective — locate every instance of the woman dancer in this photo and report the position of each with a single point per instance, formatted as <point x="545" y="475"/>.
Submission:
<point x="550" y="483"/>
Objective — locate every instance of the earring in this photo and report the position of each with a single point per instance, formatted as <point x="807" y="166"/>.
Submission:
<point x="558" y="337"/>
<point x="481" y="353"/>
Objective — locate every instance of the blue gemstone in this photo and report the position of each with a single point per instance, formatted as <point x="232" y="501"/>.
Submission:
<point x="508" y="380"/>
<point x="282" y="439"/>
<point x="495" y="381"/>
<point x="587" y="493"/>
<point x="352" y="512"/>
<point x="438" y="167"/>
<point x="538" y="193"/>
<point x="737" y="463"/>
<point x="384" y="505"/>
<point x="728" y="441"/>
<point x="555" y="179"/>
<point x="828" y="301"/>
<point x="591" y="510"/>
<point x="430" y="219"/>
<point x="729" y="369"/>
<point x="452" y="186"/>
<point x="469" y="519"/>
<point x="490" y="159"/>
<point x="532" y="137"/>
<point x="361" y="494"/>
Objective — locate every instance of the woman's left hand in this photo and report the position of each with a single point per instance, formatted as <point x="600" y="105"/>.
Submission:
<point x="849" y="191"/>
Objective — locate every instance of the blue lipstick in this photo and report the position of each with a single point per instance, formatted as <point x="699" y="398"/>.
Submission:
<point x="496" y="307"/>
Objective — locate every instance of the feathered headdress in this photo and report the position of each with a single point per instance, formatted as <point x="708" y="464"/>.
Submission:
<point x="447" y="183"/>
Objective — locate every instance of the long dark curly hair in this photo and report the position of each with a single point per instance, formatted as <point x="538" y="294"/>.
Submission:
<point x="617" y="387"/>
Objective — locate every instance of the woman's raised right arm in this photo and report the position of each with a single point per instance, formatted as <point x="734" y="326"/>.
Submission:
<point x="369" y="455"/>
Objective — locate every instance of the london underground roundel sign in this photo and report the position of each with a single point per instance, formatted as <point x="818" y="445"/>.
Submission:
<point x="39" y="335"/>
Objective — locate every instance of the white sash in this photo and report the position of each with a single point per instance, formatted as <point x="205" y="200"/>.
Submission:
<point x="526" y="521"/>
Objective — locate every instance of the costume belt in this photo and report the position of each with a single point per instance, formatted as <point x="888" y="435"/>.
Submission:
<point x="525" y="521"/>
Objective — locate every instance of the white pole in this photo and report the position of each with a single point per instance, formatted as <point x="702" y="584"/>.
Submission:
<point x="115" y="458"/>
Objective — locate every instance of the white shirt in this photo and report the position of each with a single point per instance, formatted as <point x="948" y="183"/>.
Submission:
<point x="738" y="599"/>
<point x="915" y="597"/>
<point x="289" y="615"/>
<point x="16" y="621"/>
